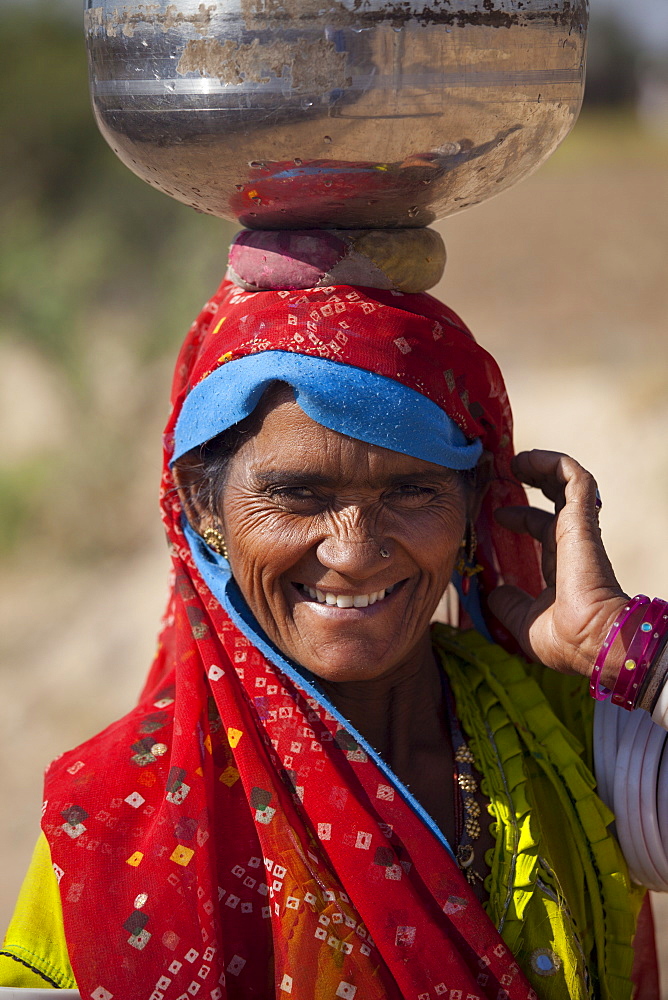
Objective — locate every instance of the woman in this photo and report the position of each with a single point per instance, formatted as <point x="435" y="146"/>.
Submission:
<point x="317" y="795"/>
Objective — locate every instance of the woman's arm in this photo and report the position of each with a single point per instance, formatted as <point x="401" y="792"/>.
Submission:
<point x="566" y="628"/>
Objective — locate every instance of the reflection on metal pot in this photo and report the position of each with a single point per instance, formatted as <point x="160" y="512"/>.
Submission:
<point x="296" y="113"/>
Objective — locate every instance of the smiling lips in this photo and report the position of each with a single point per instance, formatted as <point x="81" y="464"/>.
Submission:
<point x="345" y="600"/>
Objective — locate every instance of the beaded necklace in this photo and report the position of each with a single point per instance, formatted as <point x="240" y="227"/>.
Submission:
<point x="467" y="808"/>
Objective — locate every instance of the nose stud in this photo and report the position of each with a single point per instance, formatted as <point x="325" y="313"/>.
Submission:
<point x="384" y="553"/>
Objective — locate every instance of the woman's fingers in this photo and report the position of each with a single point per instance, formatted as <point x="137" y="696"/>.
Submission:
<point x="525" y="521"/>
<point x="562" y="626"/>
<point x="562" y="480"/>
<point x="513" y="607"/>
<point x="540" y="525"/>
<point x="541" y="469"/>
<point x="582" y="562"/>
<point x="551" y="472"/>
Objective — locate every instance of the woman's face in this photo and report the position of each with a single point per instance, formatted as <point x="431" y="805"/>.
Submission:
<point x="306" y="511"/>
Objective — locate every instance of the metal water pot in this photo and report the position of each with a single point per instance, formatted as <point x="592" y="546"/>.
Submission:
<point x="335" y="113"/>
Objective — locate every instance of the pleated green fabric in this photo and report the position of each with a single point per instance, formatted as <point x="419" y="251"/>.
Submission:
<point x="560" y="892"/>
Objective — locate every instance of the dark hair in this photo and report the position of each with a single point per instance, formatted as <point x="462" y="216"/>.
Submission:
<point x="206" y="465"/>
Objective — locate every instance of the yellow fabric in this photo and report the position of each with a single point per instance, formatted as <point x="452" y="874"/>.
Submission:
<point x="559" y="888"/>
<point x="34" y="953"/>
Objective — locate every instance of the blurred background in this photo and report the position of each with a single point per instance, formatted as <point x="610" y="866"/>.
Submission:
<point x="564" y="279"/>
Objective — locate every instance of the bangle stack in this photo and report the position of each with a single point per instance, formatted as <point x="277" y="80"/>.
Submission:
<point x="654" y="697"/>
<point x="631" y="748"/>
<point x="645" y="658"/>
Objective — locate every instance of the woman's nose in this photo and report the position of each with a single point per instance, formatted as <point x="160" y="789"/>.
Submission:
<point x="353" y="557"/>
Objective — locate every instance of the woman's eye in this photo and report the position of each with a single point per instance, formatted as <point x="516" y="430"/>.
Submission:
<point x="295" y="495"/>
<point x="301" y="492"/>
<point x="409" y="491"/>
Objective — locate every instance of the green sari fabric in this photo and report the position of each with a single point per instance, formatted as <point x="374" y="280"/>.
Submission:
<point x="559" y="889"/>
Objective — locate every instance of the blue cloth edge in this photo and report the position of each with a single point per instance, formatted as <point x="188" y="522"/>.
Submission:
<point x="353" y="401"/>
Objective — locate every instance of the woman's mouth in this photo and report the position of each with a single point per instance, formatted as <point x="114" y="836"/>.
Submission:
<point x="345" y="600"/>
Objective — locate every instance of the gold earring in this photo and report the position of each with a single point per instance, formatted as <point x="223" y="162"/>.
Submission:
<point x="215" y="540"/>
<point x="467" y="566"/>
<point x="472" y="544"/>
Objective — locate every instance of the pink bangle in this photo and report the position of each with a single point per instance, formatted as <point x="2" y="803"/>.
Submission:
<point x="640" y="654"/>
<point x="595" y="690"/>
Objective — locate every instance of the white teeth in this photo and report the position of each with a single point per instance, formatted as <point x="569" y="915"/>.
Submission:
<point x="346" y="600"/>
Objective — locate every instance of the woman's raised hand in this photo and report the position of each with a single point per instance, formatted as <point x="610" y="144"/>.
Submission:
<point x="566" y="625"/>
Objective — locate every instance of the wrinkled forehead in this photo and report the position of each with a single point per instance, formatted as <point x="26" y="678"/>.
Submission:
<point x="352" y="401"/>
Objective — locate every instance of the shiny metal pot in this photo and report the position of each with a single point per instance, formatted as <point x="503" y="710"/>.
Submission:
<point x="335" y="113"/>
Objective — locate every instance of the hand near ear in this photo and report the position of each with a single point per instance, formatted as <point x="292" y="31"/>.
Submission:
<point x="566" y="625"/>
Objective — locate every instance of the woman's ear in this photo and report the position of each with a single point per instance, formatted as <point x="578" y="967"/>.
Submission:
<point x="484" y="473"/>
<point x="189" y="476"/>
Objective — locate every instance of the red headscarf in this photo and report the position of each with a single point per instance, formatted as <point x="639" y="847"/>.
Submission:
<point x="228" y="838"/>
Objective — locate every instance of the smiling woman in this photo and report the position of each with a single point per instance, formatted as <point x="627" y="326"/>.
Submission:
<point x="319" y="794"/>
<point x="341" y="549"/>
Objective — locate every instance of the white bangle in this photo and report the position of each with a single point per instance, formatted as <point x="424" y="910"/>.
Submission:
<point x="632" y="775"/>
<point x="660" y="713"/>
<point x="656" y="678"/>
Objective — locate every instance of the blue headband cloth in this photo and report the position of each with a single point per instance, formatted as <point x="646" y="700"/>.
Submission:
<point x="352" y="401"/>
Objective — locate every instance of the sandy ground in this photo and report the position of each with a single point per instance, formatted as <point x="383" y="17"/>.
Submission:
<point x="564" y="280"/>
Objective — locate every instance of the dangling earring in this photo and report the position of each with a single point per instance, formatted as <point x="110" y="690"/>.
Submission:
<point x="467" y="565"/>
<point x="215" y="540"/>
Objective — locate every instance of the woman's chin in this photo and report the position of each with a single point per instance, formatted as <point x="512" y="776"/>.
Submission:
<point x="352" y="644"/>
<point x="358" y="667"/>
<point x="352" y="658"/>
